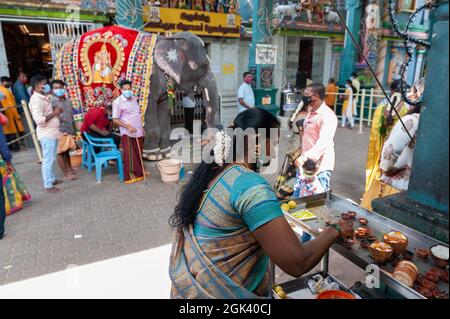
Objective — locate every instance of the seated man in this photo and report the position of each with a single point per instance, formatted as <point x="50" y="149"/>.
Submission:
<point x="97" y="124"/>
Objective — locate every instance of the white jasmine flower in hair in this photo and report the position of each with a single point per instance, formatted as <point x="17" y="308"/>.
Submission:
<point x="222" y="147"/>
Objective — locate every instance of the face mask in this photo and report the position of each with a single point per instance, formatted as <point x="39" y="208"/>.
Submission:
<point x="46" y="89"/>
<point x="306" y="100"/>
<point x="7" y="86"/>
<point x="59" y="92"/>
<point x="127" y="94"/>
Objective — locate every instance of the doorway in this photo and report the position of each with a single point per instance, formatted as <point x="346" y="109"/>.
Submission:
<point x="28" y="48"/>
<point x="305" y="62"/>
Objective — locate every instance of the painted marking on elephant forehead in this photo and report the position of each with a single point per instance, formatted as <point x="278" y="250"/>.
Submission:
<point x="172" y="55"/>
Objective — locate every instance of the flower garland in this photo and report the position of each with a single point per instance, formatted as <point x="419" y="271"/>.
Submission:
<point x="170" y="93"/>
<point x="222" y="147"/>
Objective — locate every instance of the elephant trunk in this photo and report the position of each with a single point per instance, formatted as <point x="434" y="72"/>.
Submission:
<point x="211" y="97"/>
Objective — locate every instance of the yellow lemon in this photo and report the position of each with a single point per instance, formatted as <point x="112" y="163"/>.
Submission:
<point x="278" y="289"/>
<point x="285" y="207"/>
<point x="292" y="204"/>
<point x="281" y="294"/>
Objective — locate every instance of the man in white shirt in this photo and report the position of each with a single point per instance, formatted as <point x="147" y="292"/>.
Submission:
<point x="47" y="122"/>
<point x="246" y="97"/>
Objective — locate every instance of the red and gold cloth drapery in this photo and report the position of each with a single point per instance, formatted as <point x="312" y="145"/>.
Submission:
<point x="93" y="66"/>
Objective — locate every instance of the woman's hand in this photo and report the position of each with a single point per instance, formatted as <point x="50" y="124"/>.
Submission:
<point x="346" y="228"/>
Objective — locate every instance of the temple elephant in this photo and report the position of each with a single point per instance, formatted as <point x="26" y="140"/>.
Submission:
<point x="93" y="66"/>
<point x="182" y="60"/>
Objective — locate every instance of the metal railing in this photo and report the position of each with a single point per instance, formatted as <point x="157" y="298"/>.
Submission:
<point x="29" y="130"/>
<point x="367" y="103"/>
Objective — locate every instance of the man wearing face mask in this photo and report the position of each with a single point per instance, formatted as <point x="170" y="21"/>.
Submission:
<point x="66" y="141"/>
<point x="47" y="122"/>
<point x="127" y="115"/>
<point x="246" y="97"/>
<point x="319" y="129"/>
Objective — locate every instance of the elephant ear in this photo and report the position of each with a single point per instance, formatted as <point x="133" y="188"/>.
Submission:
<point x="170" y="57"/>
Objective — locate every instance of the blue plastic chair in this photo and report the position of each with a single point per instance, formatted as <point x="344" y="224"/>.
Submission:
<point x="100" y="159"/>
<point x="87" y="160"/>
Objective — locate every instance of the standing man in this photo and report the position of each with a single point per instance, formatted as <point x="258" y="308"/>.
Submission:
<point x="66" y="141"/>
<point x="6" y="156"/>
<point x="189" y="112"/>
<point x="47" y="122"/>
<point x="19" y="89"/>
<point x="357" y="85"/>
<point x="14" y="128"/>
<point x="332" y="91"/>
<point x="246" y="97"/>
<point x="127" y="115"/>
<point x="319" y="129"/>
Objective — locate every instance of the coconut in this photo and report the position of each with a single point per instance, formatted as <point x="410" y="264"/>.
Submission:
<point x="440" y="252"/>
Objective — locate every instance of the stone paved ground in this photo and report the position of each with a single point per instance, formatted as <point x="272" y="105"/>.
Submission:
<point x="89" y="222"/>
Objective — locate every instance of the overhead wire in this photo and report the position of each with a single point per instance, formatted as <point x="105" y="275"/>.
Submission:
<point x="361" y="52"/>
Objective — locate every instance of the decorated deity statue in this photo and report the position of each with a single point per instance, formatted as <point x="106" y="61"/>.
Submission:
<point x="182" y="4"/>
<point x="372" y="15"/>
<point x="372" y="22"/>
<point x="223" y="6"/>
<point x="164" y="3"/>
<point x="198" y="5"/>
<point x="210" y="5"/>
<point x="234" y="6"/>
<point x="102" y="67"/>
<point x="174" y="3"/>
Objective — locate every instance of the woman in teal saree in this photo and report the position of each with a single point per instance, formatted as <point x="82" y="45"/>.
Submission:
<point x="229" y="223"/>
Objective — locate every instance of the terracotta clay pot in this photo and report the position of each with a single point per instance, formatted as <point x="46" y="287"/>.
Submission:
<point x="427" y="293"/>
<point x="406" y="263"/>
<point x="352" y="214"/>
<point x="432" y="277"/>
<point x="360" y="233"/>
<point x="345" y="216"/>
<point x="429" y="284"/>
<point x="445" y="277"/>
<point x="363" y="221"/>
<point x="397" y="241"/>
<point x="438" y="294"/>
<point x="420" y="279"/>
<point x="348" y="242"/>
<point x="406" y="272"/>
<point x="423" y="253"/>
<point x="365" y="243"/>
<point x="441" y="263"/>
<point x="380" y="252"/>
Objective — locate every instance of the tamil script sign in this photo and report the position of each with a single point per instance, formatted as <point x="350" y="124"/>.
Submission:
<point x="201" y="23"/>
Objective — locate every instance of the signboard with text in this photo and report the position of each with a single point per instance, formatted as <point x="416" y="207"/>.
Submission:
<point x="161" y="20"/>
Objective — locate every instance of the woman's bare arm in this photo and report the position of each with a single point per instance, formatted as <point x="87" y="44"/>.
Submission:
<point x="283" y="247"/>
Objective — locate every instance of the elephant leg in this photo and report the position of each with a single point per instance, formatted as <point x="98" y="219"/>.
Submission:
<point x="164" y="118"/>
<point x="153" y="130"/>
